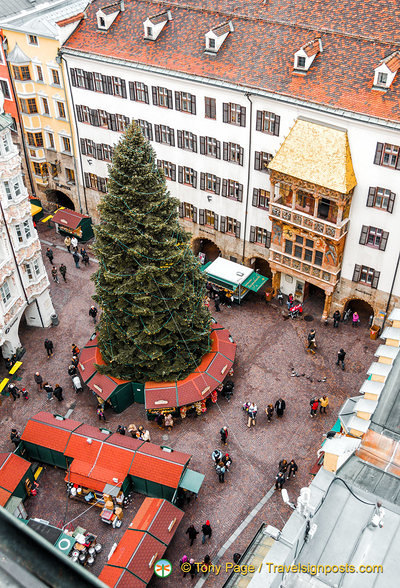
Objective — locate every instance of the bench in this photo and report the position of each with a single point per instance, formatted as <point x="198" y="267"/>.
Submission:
<point x="15" y="367"/>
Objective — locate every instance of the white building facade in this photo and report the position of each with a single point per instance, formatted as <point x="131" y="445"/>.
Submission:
<point x="215" y="139"/>
<point x="24" y="286"/>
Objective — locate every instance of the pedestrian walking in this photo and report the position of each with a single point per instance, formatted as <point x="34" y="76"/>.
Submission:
<point x="75" y="350"/>
<point x="85" y="258"/>
<point x="193" y="568"/>
<point x="74" y="243"/>
<point x="290" y="301"/>
<point x="77" y="384"/>
<point x="25" y="393"/>
<point x="292" y="469"/>
<point x="49" y="390"/>
<point x="75" y="360"/>
<point x="54" y="274"/>
<point x="283" y="465"/>
<point x="313" y="407"/>
<point x="63" y="271"/>
<point x="184" y="559"/>
<point x="311" y="339"/>
<point x="221" y="470"/>
<point x="336" y="319"/>
<point x="48" y="345"/>
<point x="216" y="456"/>
<point x="340" y="358"/>
<point x="191" y="531"/>
<point x="205" y="565"/>
<point x="14" y="391"/>
<point x="217" y="301"/>
<point x="169" y="421"/>
<point x="279" y="480"/>
<point x="76" y="257"/>
<point x="93" y="313"/>
<point x="207" y="531"/>
<point x="67" y="243"/>
<point x="72" y="370"/>
<point x="100" y="414"/>
<point x="323" y="404"/>
<point x="50" y="255"/>
<point x="15" y="437"/>
<point x="252" y="415"/>
<point x="269" y="411"/>
<point x="58" y="393"/>
<point x="121" y="429"/>
<point x="355" y="319"/>
<point x="224" y="435"/>
<point x="38" y="380"/>
<point x="280" y="406"/>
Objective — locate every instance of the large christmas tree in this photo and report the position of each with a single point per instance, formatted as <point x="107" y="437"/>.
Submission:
<point x="154" y="325"/>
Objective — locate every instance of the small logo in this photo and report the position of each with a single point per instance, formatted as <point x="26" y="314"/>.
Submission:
<point x="162" y="568"/>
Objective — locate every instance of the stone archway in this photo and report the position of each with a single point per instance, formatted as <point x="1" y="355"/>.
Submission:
<point x="206" y="246"/>
<point x="261" y="266"/>
<point x="59" y="198"/>
<point x="363" y="308"/>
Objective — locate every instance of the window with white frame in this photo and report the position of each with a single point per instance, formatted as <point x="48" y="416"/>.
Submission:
<point x="55" y="77"/>
<point x="5" y="88"/>
<point x="23" y="231"/>
<point x="5" y="144"/>
<point x="39" y="73"/>
<point x="50" y="140"/>
<point x="32" y="270"/>
<point x="60" y="109"/>
<point x="45" y="107"/>
<point x="66" y="144"/>
<point x="12" y="188"/>
<point x="33" y="40"/>
<point x="5" y="293"/>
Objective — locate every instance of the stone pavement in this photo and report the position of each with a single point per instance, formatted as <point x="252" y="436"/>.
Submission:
<point x="268" y="348"/>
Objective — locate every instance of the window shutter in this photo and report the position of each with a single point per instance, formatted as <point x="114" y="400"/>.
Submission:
<point x="94" y="117"/>
<point x="73" y="76"/>
<point x="259" y="120"/>
<point x="363" y="236"/>
<point x="79" y="113"/>
<point x="159" y="163"/>
<point x="356" y="273"/>
<point x="113" y="119"/>
<point x="195" y="143"/>
<point x="391" y="202"/>
<point x="213" y="109"/>
<point x="378" y="153"/>
<point x="104" y="83"/>
<point x="99" y="151"/>
<point x="87" y="180"/>
<point x="180" y="174"/>
<point x="202" y="145"/>
<point x="146" y="94"/>
<point x="109" y="85"/>
<point x="172" y="137"/>
<point x="240" y="193"/>
<point x="371" y="197"/>
<point x="242" y="116"/>
<point x="257" y="160"/>
<point x="222" y="224"/>
<point x="207" y="107"/>
<point x="201" y="216"/>
<point x="194" y="179"/>
<point x="177" y="101"/>
<point x="255" y="197"/>
<point x="83" y="146"/>
<point x="193" y="104"/>
<point x="194" y="214"/>
<point x="268" y="240"/>
<point x="252" y="234"/>
<point x="123" y="88"/>
<point x="157" y="133"/>
<point x="202" y="182"/>
<point x="225" y="151"/>
<point x="155" y="95"/>
<point x="132" y="91"/>
<point x="179" y="136"/>
<point x="181" y="209"/>
<point x="382" y="245"/>
<point x="225" y="115"/>
<point x="237" y="229"/>
<point x="150" y="131"/>
<point x="216" y="221"/>
<point x="224" y="189"/>
<point x="218" y="149"/>
<point x="277" y="125"/>
<point x="170" y="103"/>
<point x="241" y="153"/>
<point x="218" y="186"/>
<point x="173" y="173"/>
<point x="375" y="280"/>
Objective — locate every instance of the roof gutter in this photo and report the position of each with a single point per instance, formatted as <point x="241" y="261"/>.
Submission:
<point x="339" y="112"/>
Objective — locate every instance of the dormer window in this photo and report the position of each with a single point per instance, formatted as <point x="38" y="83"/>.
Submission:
<point x="386" y="71"/>
<point x="102" y="23"/>
<point x="153" y="25"/>
<point x="216" y="36"/>
<point x="305" y="56"/>
<point x="107" y="14"/>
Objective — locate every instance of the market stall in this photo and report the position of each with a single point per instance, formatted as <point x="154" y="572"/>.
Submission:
<point x="233" y="279"/>
<point x="36" y="208"/>
<point x="16" y="479"/>
<point x="74" y="224"/>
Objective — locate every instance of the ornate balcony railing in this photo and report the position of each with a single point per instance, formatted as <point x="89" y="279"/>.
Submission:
<point x="305" y="268"/>
<point x="308" y="222"/>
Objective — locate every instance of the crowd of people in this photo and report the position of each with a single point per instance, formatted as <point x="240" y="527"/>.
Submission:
<point x="251" y="410"/>
<point x="187" y="564"/>
<point x="286" y="470"/>
<point x="73" y="248"/>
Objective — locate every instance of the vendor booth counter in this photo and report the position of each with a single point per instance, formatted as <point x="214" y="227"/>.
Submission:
<point x="74" y="224"/>
<point x="235" y="280"/>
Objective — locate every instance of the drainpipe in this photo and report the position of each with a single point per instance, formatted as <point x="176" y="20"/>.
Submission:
<point x="60" y="59"/>
<point x="21" y="124"/>
<point x="391" y="291"/>
<point x="248" y="177"/>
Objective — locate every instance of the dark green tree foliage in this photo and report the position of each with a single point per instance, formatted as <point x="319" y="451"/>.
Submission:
<point x="154" y="325"/>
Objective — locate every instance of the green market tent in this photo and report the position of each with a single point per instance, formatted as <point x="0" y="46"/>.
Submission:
<point x="235" y="277"/>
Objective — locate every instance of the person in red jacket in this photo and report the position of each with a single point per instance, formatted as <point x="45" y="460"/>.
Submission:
<point x="314" y="406"/>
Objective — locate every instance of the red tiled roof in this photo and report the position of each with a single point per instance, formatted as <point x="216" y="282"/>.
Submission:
<point x="156" y="451"/>
<point x="68" y="218"/>
<point x="50" y="419"/>
<point x="156" y="470"/>
<point x="119" y="577"/>
<point x="393" y="63"/>
<point x="222" y="29"/>
<point x="12" y="471"/>
<point x="3" y="457"/>
<point x="102" y="385"/>
<point x="4" y="496"/>
<point x="114" y="459"/>
<point x="46" y="435"/>
<point x="111" y="8"/>
<point x="262" y="50"/>
<point x="160" y="397"/>
<point x="159" y="18"/>
<point x="85" y="481"/>
<point x="78" y="447"/>
<point x="156" y="515"/>
<point x="70" y="20"/>
<point x="148" y="549"/>
<point x="311" y="48"/>
<point x="92" y="432"/>
<point x="124" y="441"/>
<point x="219" y="364"/>
<point x="86" y="364"/>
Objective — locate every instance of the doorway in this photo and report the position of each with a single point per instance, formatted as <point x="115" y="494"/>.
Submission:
<point x="206" y="246"/>
<point x="59" y="198"/>
<point x="261" y="266"/>
<point x="363" y="309"/>
<point x="314" y="297"/>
